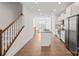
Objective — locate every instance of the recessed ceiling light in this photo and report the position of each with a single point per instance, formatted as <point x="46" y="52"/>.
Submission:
<point x="59" y="2"/>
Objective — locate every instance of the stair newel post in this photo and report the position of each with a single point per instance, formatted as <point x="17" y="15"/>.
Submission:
<point x="0" y="42"/>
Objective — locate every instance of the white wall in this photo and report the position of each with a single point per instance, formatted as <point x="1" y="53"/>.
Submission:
<point x="8" y="12"/>
<point x="53" y="18"/>
<point x="50" y="20"/>
<point x="25" y="35"/>
<point x="42" y="22"/>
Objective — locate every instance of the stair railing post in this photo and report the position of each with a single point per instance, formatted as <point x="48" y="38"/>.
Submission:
<point x="0" y="42"/>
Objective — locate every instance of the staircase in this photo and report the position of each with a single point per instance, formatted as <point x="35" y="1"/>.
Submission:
<point x="9" y="34"/>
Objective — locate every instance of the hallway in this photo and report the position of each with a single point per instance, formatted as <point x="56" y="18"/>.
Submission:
<point x="33" y="48"/>
<point x="35" y="28"/>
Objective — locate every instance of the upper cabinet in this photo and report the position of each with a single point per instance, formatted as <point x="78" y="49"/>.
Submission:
<point x="71" y="10"/>
<point x="75" y="8"/>
<point x="68" y="11"/>
<point x="62" y="16"/>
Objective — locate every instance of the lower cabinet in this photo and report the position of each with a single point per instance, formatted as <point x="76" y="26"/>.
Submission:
<point x="63" y="35"/>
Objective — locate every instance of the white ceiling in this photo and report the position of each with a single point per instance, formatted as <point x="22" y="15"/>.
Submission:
<point x="46" y="8"/>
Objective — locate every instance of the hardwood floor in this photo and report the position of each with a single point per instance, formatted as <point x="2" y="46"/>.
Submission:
<point x="33" y="48"/>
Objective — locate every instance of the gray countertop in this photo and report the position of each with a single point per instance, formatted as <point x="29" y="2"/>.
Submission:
<point x="46" y="32"/>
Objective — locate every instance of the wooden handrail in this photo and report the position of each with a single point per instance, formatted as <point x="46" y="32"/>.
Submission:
<point x="12" y="22"/>
<point x="13" y="40"/>
<point x="9" y="35"/>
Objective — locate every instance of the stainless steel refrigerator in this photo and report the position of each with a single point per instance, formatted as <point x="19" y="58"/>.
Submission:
<point x="66" y="23"/>
<point x="72" y="34"/>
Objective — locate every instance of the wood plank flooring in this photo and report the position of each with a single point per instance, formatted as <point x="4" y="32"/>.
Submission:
<point x="33" y="48"/>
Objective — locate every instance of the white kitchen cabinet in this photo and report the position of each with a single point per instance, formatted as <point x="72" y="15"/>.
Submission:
<point x="46" y="38"/>
<point x="68" y="11"/>
<point x="75" y="8"/>
<point x="63" y="35"/>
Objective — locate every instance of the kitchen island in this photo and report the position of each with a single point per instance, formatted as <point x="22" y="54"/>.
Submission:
<point x="46" y="37"/>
